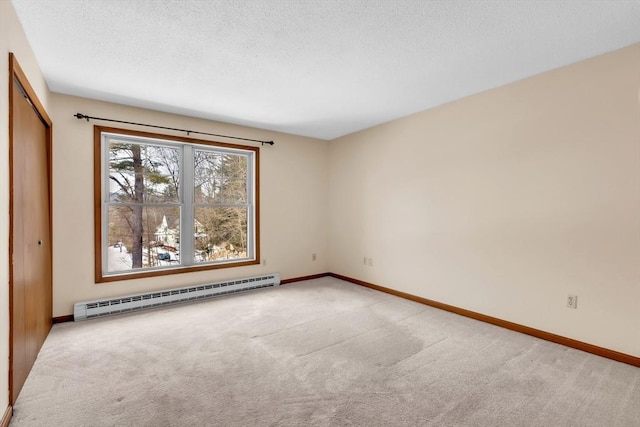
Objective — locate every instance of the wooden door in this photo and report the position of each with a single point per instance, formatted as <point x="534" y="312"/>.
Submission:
<point x="30" y="277"/>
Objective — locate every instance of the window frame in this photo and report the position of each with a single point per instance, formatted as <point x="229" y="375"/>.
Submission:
<point x="100" y="204"/>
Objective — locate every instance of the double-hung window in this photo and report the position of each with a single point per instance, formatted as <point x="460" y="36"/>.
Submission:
<point x="167" y="204"/>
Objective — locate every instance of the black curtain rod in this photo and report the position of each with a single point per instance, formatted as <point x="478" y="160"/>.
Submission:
<point x="80" y="116"/>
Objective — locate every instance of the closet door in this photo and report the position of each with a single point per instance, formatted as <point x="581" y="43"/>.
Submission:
<point x="30" y="235"/>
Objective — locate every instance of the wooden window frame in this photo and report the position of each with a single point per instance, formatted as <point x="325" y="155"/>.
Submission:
<point x="103" y="277"/>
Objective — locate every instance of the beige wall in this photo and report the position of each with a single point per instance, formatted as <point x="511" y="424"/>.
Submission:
<point x="293" y="203"/>
<point x="12" y="39"/>
<point x="505" y="202"/>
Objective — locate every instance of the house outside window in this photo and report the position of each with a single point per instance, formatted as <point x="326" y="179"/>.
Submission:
<point x="168" y="204"/>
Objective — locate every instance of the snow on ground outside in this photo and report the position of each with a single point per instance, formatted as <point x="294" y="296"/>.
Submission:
<point x="119" y="259"/>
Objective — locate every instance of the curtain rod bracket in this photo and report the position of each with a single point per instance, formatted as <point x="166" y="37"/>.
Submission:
<point x="81" y="116"/>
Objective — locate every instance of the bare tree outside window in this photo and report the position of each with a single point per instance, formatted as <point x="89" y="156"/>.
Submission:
<point x="220" y="206"/>
<point x="141" y="176"/>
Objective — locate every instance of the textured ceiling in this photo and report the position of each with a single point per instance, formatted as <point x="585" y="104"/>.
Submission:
<point x="322" y="68"/>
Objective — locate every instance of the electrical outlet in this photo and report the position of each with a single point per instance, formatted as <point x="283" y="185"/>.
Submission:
<point x="364" y="261"/>
<point x="370" y="262"/>
<point x="313" y="257"/>
<point x="572" y="301"/>
<point x="264" y="261"/>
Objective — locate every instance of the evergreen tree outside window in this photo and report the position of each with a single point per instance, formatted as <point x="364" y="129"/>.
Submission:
<point x="167" y="204"/>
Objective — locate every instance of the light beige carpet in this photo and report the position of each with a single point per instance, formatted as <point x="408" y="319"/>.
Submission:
<point x="317" y="353"/>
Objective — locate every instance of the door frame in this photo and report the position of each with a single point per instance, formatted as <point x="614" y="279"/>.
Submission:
<point x="16" y="73"/>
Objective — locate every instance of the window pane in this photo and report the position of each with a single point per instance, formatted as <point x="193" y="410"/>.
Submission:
<point x="143" y="173"/>
<point x="142" y="237"/>
<point x="220" y="233"/>
<point x="220" y="178"/>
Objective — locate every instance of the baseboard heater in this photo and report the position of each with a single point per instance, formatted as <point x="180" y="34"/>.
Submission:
<point x="110" y="306"/>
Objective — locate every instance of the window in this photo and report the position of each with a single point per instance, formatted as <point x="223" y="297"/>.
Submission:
<point x="168" y="205"/>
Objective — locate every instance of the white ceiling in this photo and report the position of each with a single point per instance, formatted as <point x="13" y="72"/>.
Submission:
<point x="321" y="68"/>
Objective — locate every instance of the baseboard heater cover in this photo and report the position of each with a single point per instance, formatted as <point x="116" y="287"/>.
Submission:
<point x="105" y="307"/>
